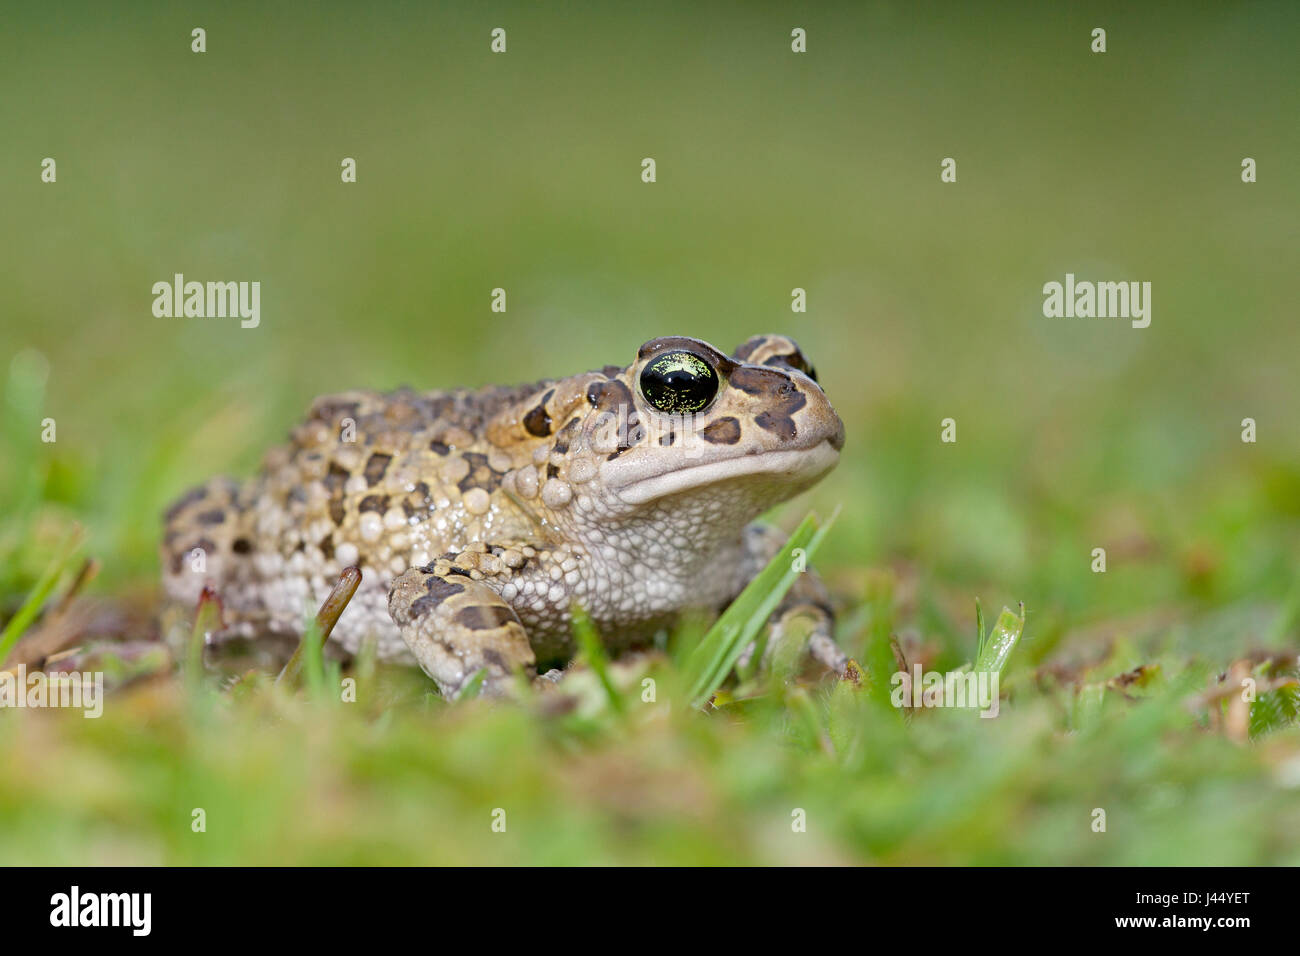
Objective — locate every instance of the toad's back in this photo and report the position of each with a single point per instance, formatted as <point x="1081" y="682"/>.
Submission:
<point x="381" y="481"/>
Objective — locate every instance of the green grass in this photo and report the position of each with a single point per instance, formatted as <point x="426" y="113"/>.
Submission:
<point x="285" y="776"/>
<point x="775" y="171"/>
<point x="708" y="663"/>
<point x="27" y="612"/>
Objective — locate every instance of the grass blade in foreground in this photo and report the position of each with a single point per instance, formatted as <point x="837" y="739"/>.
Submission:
<point x="594" y="652"/>
<point x="1001" y="641"/>
<point x="709" y="664"/>
<point x="472" y="687"/>
<point x="31" y="607"/>
<point x="207" y="618"/>
<point x="314" y="638"/>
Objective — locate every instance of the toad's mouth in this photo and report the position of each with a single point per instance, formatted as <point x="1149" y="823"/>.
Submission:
<point x="798" y="468"/>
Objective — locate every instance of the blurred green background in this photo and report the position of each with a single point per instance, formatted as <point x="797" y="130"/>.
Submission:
<point x="775" y="171"/>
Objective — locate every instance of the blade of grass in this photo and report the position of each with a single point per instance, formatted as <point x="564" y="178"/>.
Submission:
<point x="363" y="671"/>
<point x="62" y="624"/>
<point x="750" y="670"/>
<point x="474" y="686"/>
<point x="594" y="653"/>
<point x="207" y="618"/>
<point x="332" y="674"/>
<point x="313" y="661"/>
<point x="318" y="631"/>
<point x="708" y="665"/>
<point x="20" y="488"/>
<point x="806" y="714"/>
<point x="1001" y="641"/>
<point x="31" y="607"/>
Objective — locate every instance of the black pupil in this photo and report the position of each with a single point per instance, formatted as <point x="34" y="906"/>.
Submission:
<point x="678" y="383"/>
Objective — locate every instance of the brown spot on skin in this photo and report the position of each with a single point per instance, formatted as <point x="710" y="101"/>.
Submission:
<point x="419" y="502"/>
<point x="185" y="500"/>
<point x="327" y="547"/>
<point x="374" y="503"/>
<point x="725" y="431"/>
<point x="375" y="468"/>
<point x="609" y="396"/>
<point x="538" y="422"/>
<point x="337" y="511"/>
<point x="241" y="546"/>
<point x="783" y="398"/>
<point x="437" y="590"/>
<point x="403" y="410"/>
<point x="439" y="448"/>
<point x="777" y="351"/>
<point x="782" y="426"/>
<point x="753" y="380"/>
<point x="795" y="361"/>
<point x="333" y="412"/>
<point x="480" y="617"/>
<point x="780" y="419"/>
<point x="565" y="437"/>
<point x="552" y="471"/>
<point x="215" y="516"/>
<point x="480" y="474"/>
<point x="440" y="406"/>
<point x="335" y="479"/>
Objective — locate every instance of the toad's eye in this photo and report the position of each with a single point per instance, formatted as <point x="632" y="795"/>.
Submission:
<point x="679" y="383"/>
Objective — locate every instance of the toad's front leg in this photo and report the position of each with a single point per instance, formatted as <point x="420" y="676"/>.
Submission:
<point x="456" y="626"/>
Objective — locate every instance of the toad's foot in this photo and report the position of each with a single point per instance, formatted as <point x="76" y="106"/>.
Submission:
<point x="456" y="627"/>
<point x="809" y="624"/>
